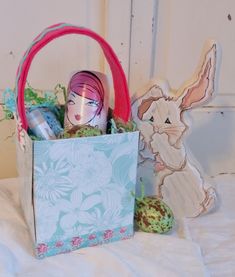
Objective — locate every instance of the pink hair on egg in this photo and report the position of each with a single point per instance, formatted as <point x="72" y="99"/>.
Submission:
<point x="88" y="85"/>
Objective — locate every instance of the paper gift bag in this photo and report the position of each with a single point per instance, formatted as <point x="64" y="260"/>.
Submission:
<point x="76" y="192"/>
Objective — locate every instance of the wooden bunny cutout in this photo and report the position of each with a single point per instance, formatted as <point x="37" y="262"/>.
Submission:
<point x="164" y="164"/>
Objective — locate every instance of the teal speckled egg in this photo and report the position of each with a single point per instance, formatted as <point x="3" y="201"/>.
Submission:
<point x="153" y="215"/>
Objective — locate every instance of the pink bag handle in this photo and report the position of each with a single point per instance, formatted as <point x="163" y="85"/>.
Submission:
<point x="122" y="100"/>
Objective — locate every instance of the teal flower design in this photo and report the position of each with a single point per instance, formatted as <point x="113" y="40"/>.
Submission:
<point x="110" y="219"/>
<point x="51" y="181"/>
<point x="87" y="169"/>
<point x="75" y="211"/>
<point x="46" y="215"/>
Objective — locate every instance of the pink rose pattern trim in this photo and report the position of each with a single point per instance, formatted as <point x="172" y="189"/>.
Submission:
<point x="76" y="241"/>
<point x="108" y="234"/>
<point x="123" y="230"/>
<point x="94" y="239"/>
<point x="59" y="244"/>
<point x="42" y="248"/>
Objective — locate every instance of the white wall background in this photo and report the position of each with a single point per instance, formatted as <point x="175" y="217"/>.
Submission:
<point x="183" y="28"/>
<point x="152" y="38"/>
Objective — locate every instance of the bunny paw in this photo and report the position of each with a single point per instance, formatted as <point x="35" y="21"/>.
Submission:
<point x="209" y="201"/>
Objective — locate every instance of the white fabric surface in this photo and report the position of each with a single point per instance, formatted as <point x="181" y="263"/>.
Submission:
<point x="144" y="255"/>
<point x="215" y="232"/>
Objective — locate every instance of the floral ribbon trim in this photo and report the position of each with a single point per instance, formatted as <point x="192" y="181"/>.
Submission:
<point x="63" y="246"/>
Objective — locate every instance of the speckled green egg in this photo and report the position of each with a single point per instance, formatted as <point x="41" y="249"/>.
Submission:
<point x="153" y="215"/>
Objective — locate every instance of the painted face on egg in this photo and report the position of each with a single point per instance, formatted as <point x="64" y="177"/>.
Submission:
<point x="80" y="109"/>
<point x="85" y="98"/>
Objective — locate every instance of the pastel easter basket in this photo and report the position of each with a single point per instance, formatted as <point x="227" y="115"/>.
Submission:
<point x="76" y="192"/>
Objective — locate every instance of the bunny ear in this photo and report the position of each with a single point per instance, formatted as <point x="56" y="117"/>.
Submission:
<point x="202" y="88"/>
<point x="154" y="91"/>
<point x="152" y="95"/>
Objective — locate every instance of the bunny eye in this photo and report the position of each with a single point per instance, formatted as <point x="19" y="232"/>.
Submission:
<point x="151" y="119"/>
<point x="167" y="121"/>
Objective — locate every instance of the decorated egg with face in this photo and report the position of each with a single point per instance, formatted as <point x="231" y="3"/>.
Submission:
<point x="87" y="100"/>
<point x="153" y="215"/>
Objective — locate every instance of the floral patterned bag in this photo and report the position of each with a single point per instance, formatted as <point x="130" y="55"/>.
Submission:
<point x="76" y="192"/>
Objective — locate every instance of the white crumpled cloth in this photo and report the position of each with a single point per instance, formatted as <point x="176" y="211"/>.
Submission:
<point x="175" y="254"/>
<point x="215" y="232"/>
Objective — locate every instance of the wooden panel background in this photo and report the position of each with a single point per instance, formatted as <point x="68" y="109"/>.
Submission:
<point x="152" y="38"/>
